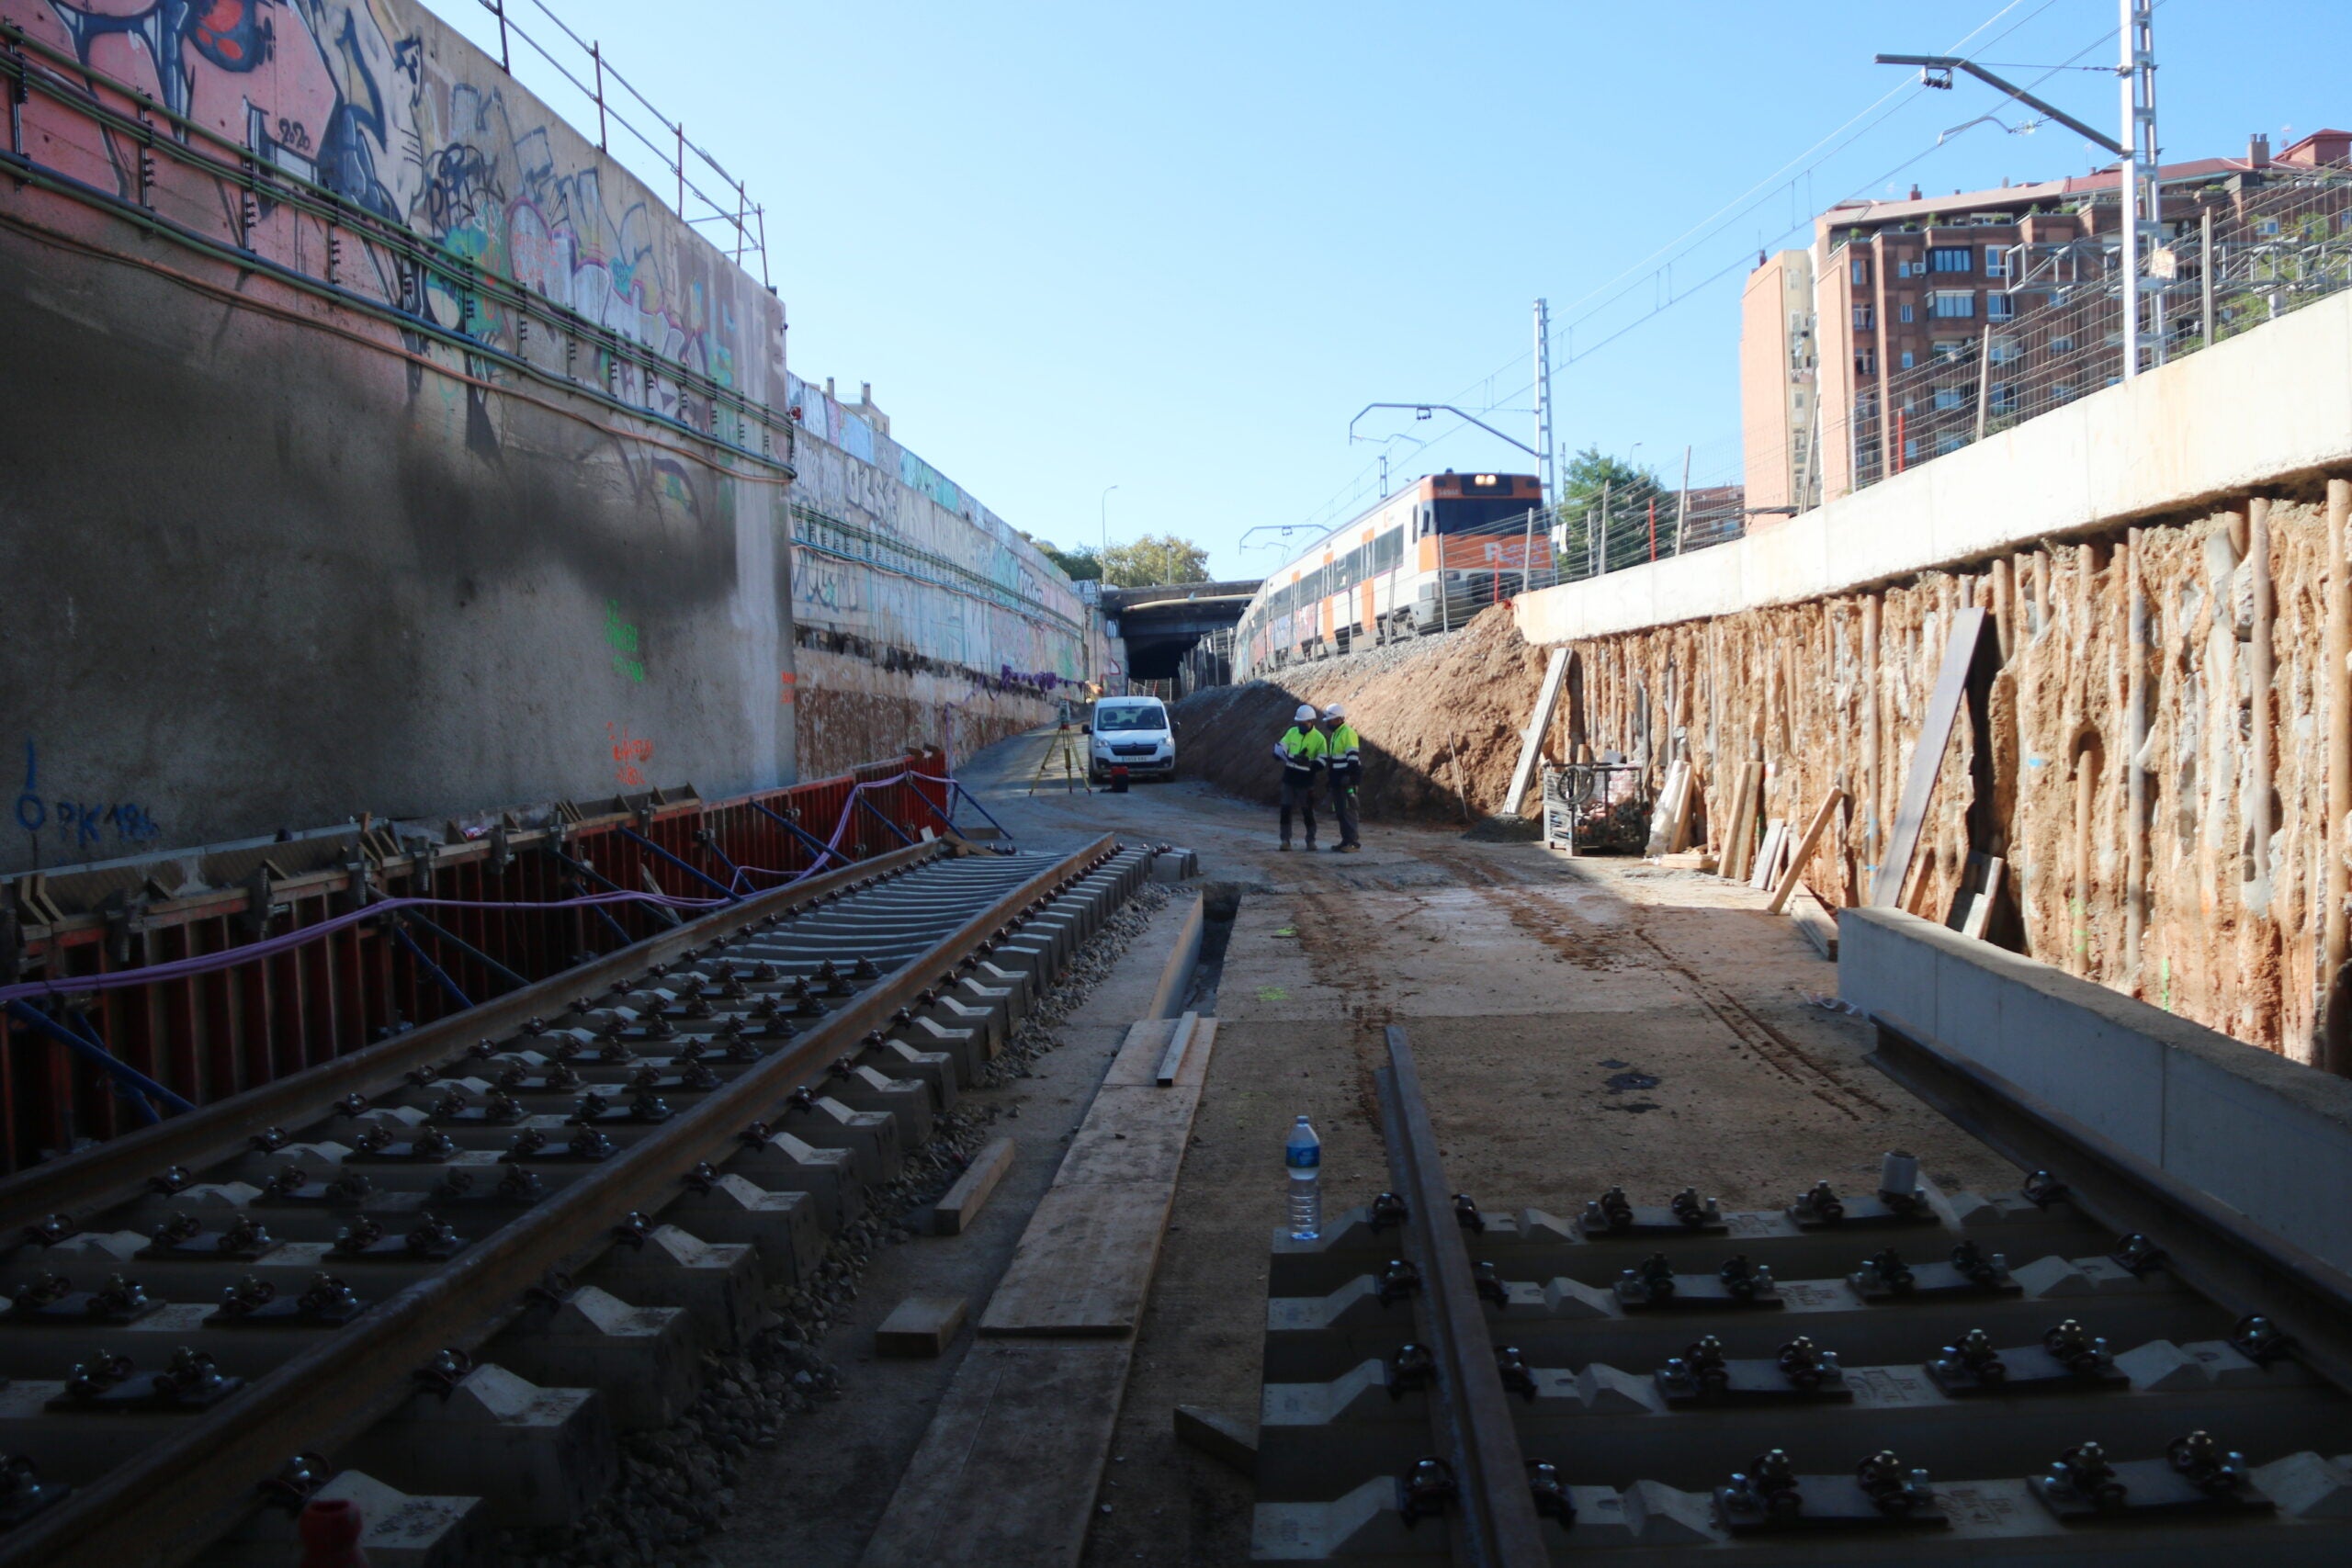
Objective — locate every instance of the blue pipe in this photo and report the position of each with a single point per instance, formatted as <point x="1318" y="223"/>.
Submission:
<point x="637" y="838"/>
<point x="904" y="837"/>
<point x="590" y="871"/>
<point x="80" y="1023"/>
<point x="430" y="967"/>
<point x="817" y="847"/>
<point x="106" y="1060"/>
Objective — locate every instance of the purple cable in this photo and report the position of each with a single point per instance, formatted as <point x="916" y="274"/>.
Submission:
<point x="270" y="947"/>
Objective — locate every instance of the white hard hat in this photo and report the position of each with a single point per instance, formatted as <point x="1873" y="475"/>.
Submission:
<point x="1306" y="714"/>
<point x="1335" y="711"/>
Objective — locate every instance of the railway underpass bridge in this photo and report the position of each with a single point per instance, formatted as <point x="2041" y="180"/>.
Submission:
<point x="1181" y="633"/>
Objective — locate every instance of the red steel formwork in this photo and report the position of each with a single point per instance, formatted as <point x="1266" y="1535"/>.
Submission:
<point x="204" y="1036"/>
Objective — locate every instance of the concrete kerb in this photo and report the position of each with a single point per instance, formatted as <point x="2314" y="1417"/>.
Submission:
<point x="2266" y="1136"/>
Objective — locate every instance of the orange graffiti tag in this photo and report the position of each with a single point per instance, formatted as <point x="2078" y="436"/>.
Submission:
<point x="786" y="679"/>
<point x="627" y="754"/>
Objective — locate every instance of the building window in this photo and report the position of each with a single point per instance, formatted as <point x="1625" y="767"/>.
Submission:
<point x="2003" y="350"/>
<point x="2064" y="344"/>
<point x="1910" y="449"/>
<point x="1949" y="397"/>
<point x="1859" y="271"/>
<point x="1949" y="258"/>
<point x="1909" y="359"/>
<point x="2003" y="397"/>
<point x="1952" y="305"/>
<point x="2061" y="391"/>
<point x="1949" y="347"/>
<point x="1865" y="362"/>
<point x="1902" y="268"/>
<point x="1862" y="317"/>
<point x="1949" y="441"/>
<point x="1999" y="308"/>
<point x="1906" y="312"/>
<point x="1996" y="261"/>
<point x="2267" y="228"/>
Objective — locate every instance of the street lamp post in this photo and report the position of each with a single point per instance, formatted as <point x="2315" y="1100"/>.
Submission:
<point x="1104" y="509"/>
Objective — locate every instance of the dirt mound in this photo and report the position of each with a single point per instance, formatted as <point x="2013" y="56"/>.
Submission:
<point x="1440" y="719"/>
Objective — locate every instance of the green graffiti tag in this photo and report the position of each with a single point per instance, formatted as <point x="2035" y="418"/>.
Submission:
<point x="621" y="637"/>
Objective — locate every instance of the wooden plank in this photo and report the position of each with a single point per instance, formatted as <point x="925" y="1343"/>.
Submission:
<point x="956" y="1209"/>
<point x="1818" y="923"/>
<point x="1968" y="629"/>
<point x="1084" y="1264"/>
<point x="919" y="1326"/>
<point x="1138" y="1064"/>
<point x="1678" y="838"/>
<point x="1221" y="1438"/>
<point x="1530" y="741"/>
<point x="1739" y="839"/>
<point x="1972" y="906"/>
<point x="1806" y="846"/>
<point x="1768" y="859"/>
<point x="1131" y="1134"/>
<point x="1007" y="1475"/>
<point x="1172" y="1061"/>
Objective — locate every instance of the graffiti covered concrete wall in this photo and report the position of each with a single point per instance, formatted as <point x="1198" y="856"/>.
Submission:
<point x="966" y="631"/>
<point x="375" y="443"/>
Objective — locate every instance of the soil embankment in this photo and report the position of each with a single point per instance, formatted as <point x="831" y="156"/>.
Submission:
<point x="1440" y="719"/>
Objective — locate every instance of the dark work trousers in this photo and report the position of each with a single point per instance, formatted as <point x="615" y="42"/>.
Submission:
<point x="1298" y="791"/>
<point x="1344" y="806"/>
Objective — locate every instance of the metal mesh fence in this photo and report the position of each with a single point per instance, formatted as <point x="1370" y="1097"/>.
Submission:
<point x="2237" y="256"/>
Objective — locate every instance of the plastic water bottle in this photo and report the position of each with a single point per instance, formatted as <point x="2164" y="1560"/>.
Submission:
<point x="1303" y="1158"/>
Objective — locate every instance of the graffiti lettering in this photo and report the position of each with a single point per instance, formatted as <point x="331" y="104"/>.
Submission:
<point x="628" y="753"/>
<point x="621" y="637"/>
<point x="81" y="824"/>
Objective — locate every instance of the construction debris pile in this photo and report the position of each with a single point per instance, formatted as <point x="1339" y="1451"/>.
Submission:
<point x="1440" y="719"/>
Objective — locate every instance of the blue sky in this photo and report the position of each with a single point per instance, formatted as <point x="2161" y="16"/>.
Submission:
<point x="1175" y="248"/>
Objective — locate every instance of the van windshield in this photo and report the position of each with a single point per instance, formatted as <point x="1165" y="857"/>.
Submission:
<point x="1146" y="715"/>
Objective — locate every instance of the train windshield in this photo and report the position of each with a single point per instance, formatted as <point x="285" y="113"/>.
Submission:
<point x="1479" y="512"/>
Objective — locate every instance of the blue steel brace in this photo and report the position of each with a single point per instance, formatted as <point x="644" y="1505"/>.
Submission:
<point x="923" y="800"/>
<point x="104" y="1059"/>
<point x="426" y="963"/>
<point x="590" y="871"/>
<point x="817" y="847"/>
<point x="904" y="837"/>
<point x="710" y="843"/>
<point x="963" y="794"/>
<point x="468" y="948"/>
<point x="722" y="889"/>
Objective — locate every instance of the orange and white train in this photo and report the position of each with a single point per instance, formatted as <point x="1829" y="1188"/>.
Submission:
<point x="1419" y="560"/>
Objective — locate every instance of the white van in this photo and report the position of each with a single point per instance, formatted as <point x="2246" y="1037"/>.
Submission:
<point x="1133" y="733"/>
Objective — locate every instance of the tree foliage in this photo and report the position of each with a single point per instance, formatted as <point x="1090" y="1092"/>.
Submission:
<point x="1078" y="565"/>
<point x="1590" y="471"/>
<point x="1153" y="560"/>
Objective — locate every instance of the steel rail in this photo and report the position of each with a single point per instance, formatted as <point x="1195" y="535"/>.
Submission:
<point x="1500" y="1526"/>
<point x="116" y="1170"/>
<point x="2214" y="1249"/>
<point x="174" y="1498"/>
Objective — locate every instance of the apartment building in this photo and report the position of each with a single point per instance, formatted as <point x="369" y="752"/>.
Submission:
<point x="1780" y="422"/>
<point x="1938" y="319"/>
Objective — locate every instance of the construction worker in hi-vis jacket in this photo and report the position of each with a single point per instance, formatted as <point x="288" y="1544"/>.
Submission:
<point x="1344" y="750"/>
<point x="1301" y="752"/>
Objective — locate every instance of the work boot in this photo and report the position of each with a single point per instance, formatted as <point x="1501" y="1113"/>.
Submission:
<point x="1285" y="845"/>
<point x="1352" y="849"/>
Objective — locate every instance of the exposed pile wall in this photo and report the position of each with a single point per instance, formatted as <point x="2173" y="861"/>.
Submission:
<point x="1827" y="698"/>
<point x="2122" y="550"/>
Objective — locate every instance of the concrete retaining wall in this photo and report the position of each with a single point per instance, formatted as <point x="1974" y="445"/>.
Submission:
<point x="2259" y="409"/>
<point x="2269" y="1138"/>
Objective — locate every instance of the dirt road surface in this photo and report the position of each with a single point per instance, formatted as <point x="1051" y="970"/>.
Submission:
<point x="1579" y="1024"/>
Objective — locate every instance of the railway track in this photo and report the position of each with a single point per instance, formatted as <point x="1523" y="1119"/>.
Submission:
<point x="2092" y="1368"/>
<point x="460" y="1259"/>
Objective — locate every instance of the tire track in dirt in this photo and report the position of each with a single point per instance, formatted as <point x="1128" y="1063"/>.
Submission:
<point x="1541" y="919"/>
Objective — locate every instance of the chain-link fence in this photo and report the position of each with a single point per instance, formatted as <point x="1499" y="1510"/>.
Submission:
<point x="2235" y="254"/>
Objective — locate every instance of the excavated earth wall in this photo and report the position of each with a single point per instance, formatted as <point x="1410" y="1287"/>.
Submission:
<point x="1832" y="693"/>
